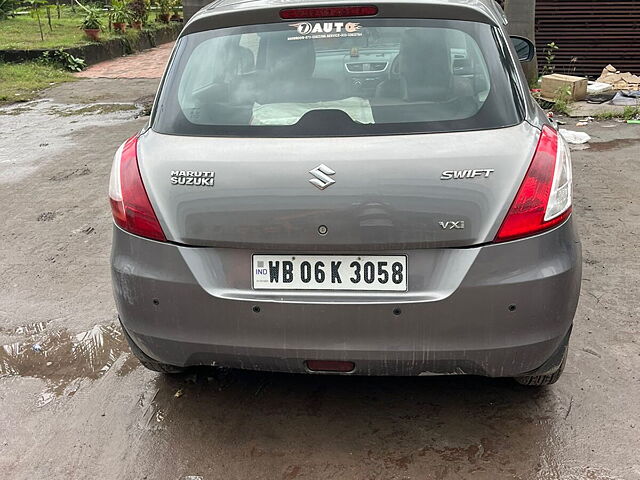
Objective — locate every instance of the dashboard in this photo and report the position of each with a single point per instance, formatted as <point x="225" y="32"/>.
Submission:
<point x="361" y="70"/>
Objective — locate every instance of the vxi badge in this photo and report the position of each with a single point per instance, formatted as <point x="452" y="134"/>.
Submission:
<point x="460" y="174"/>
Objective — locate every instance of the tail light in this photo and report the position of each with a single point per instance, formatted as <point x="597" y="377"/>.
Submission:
<point x="544" y="198"/>
<point x="328" y="12"/>
<point x="130" y="205"/>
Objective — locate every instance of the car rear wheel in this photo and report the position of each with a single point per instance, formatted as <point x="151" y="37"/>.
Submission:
<point x="548" y="378"/>
<point x="149" y="362"/>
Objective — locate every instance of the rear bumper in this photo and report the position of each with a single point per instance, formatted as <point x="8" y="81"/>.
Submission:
<point x="195" y="306"/>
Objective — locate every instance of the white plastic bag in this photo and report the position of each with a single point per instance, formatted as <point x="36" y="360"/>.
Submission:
<point x="576" y="138"/>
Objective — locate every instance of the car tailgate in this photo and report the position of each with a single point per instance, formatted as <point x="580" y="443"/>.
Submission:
<point x="397" y="191"/>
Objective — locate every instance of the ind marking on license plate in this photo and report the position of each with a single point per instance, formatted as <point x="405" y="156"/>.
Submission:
<point x="330" y="272"/>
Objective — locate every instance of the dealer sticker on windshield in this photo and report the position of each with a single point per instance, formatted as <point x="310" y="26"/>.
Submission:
<point x="330" y="272"/>
<point x="318" y="30"/>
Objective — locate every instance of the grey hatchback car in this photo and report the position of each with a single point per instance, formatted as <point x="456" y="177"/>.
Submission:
<point x="347" y="188"/>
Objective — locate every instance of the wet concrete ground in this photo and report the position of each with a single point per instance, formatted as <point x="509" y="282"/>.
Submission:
<point x="75" y="404"/>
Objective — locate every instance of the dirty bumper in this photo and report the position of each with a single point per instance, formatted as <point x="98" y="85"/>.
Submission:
<point x="495" y="310"/>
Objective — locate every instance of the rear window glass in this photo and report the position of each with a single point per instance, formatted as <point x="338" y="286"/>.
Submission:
<point x="339" y="77"/>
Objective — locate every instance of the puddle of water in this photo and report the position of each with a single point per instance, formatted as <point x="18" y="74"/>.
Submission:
<point x="42" y="128"/>
<point x="614" y="144"/>
<point x="153" y="403"/>
<point x="27" y="330"/>
<point x="63" y="359"/>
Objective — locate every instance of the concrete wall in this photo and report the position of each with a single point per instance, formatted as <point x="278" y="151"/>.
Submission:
<point x="521" y="15"/>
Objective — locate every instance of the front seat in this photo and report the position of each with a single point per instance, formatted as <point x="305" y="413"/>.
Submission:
<point x="289" y="67"/>
<point x="424" y="68"/>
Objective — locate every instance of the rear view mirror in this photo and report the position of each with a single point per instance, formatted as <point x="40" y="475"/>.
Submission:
<point x="525" y="48"/>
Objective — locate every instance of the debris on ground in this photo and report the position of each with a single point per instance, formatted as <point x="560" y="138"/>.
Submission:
<point x="576" y="87"/>
<point x="626" y="98"/>
<point x="47" y="216"/>
<point x="45" y="398"/>
<point x="585" y="121"/>
<point x="179" y="393"/>
<point x="575" y="138"/>
<point x="619" y="80"/>
<point x="595" y="88"/>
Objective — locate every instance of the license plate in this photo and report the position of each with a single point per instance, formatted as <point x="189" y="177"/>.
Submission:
<point x="330" y="272"/>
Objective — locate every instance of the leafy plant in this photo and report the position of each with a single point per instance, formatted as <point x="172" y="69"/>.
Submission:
<point x="92" y="20"/>
<point x="165" y="6"/>
<point x="176" y="8"/>
<point x="119" y="12"/>
<point x="549" y="57"/>
<point x="7" y="8"/>
<point x="139" y="10"/>
<point x="562" y="100"/>
<point x="631" y="112"/>
<point x="64" y="59"/>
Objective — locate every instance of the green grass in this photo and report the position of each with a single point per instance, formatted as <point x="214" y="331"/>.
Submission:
<point x="629" y="113"/>
<point x="20" y="82"/>
<point x="22" y="33"/>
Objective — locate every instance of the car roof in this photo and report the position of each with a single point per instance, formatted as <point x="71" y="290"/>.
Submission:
<point x="479" y="10"/>
<point x="253" y="4"/>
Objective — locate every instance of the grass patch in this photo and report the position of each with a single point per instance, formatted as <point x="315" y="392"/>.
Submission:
<point x="22" y="33"/>
<point x="20" y="82"/>
<point x="629" y="113"/>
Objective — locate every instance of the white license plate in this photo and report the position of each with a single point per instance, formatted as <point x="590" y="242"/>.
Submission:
<point x="330" y="272"/>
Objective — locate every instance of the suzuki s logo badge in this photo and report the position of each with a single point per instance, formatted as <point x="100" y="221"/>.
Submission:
<point x="322" y="180"/>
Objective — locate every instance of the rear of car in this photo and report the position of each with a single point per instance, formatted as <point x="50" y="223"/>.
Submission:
<point x="365" y="189"/>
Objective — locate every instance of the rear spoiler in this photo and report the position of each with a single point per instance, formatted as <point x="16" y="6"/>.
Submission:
<point x="217" y="15"/>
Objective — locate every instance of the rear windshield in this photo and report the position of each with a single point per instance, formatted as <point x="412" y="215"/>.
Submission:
<point x="335" y="78"/>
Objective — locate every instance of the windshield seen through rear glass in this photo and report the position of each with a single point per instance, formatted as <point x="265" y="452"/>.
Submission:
<point x="340" y="77"/>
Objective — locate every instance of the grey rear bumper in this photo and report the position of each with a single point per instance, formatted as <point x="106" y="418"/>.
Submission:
<point x="496" y="310"/>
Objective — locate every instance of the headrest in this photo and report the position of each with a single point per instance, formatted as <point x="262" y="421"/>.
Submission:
<point x="425" y="64"/>
<point x="288" y="58"/>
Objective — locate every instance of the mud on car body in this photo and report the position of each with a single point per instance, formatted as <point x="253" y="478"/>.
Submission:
<point x="383" y="197"/>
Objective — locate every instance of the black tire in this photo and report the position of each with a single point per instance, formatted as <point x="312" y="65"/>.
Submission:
<point x="149" y="362"/>
<point x="548" y="378"/>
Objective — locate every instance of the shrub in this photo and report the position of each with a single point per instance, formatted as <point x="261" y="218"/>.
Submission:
<point x="7" y="8"/>
<point x="64" y="59"/>
<point x="139" y="10"/>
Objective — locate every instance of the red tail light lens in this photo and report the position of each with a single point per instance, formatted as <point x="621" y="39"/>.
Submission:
<point x="544" y="198"/>
<point x="328" y="12"/>
<point x="130" y="205"/>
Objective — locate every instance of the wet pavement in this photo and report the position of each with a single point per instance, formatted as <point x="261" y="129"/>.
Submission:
<point x="147" y="64"/>
<point x="74" y="403"/>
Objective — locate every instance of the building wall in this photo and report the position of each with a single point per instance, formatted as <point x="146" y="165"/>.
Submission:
<point x="590" y="34"/>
